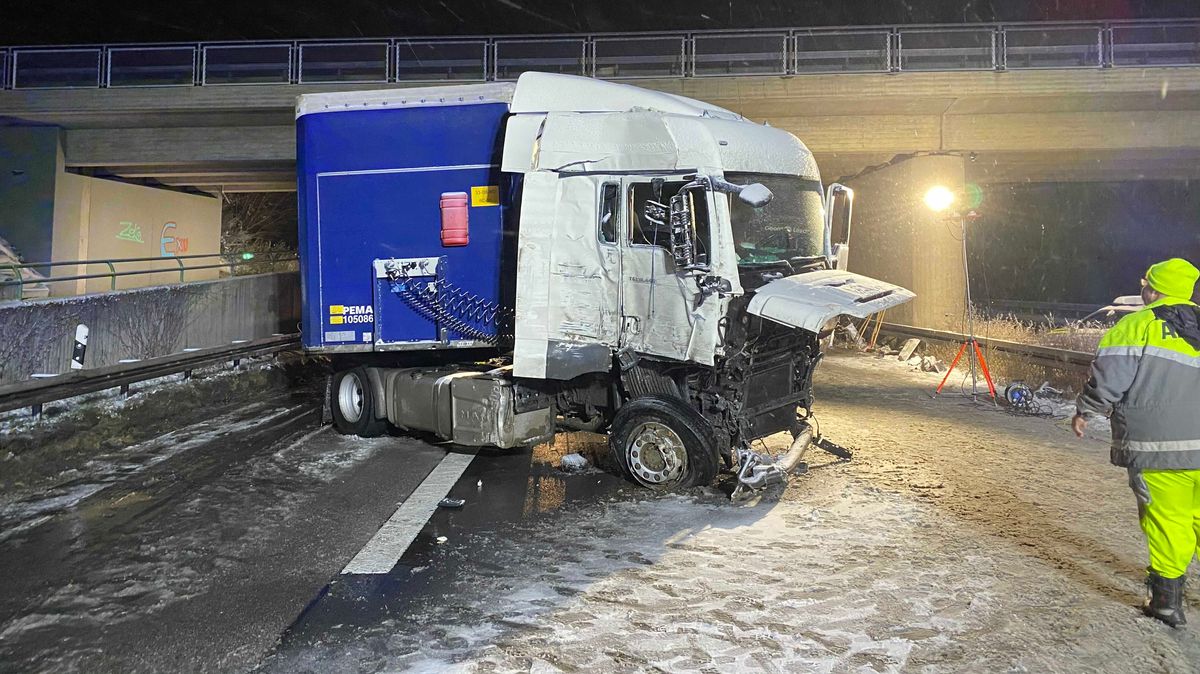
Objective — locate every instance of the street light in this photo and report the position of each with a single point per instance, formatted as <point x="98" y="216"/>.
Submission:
<point x="938" y="199"/>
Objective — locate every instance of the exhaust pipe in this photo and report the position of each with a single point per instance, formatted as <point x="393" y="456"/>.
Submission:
<point x="796" y="452"/>
<point x="758" y="471"/>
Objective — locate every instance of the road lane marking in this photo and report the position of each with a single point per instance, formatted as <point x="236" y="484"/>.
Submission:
<point x="388" y="544"/>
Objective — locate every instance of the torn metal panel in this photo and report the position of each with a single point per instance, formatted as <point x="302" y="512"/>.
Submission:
<point x="808" y="301"/>
<point x="611" y="142"/>
<point x="567" y="281"/>
<point x="647" y="140"/>
<point x="660" y="307"/>
<point x="567" y="360"/>
<point x="521" y="142"/>
<point x="652" y="141"/>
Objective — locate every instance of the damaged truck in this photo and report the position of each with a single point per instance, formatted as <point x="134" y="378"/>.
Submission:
<point x="491" y="263"/>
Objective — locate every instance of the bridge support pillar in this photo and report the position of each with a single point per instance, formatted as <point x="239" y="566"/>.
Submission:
<point x="897" y="238"/>
<point x="29" y="167"/>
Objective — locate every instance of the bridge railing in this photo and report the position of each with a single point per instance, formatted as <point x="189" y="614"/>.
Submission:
<point x="14" y="283"/>
<point x="785" y="51"/>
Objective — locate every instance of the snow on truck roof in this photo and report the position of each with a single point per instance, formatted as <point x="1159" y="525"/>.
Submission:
<point x="563" y="117"/>
<point x="532" y="92"/>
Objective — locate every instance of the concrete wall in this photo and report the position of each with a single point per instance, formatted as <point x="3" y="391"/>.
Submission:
<point x="28" y="168"/>
<point x="36" y="337"/>
<point x="896" y="238"/>
<point x="48" y="214"/>
<point x="104" y="219"/>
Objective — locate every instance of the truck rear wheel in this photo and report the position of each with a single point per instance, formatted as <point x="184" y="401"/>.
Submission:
<point x="352" y="402"/>
<point x="662" y="443"/>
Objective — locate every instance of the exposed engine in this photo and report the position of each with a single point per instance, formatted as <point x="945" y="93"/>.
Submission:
<point x="756" y="388"/>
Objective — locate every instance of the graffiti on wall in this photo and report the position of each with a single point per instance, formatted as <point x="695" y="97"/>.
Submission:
<point x="170" y="245"/>
<point x="130" y="232"/>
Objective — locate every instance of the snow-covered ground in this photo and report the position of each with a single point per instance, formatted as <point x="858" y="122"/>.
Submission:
<point x="960" y="538"/>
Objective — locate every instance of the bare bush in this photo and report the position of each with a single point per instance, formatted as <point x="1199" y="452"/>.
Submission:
<point x="260" y="223"/>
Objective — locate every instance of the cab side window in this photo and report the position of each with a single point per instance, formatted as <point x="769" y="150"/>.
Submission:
<point x="643" y="232"/>
<point x="610" y="195"/>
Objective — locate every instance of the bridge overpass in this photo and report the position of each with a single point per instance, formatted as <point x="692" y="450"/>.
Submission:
<point x="890" y="110"/>
<point x="1032" y="102"/>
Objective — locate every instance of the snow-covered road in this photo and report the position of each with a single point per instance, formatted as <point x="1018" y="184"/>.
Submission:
<point x="960" y="538"/>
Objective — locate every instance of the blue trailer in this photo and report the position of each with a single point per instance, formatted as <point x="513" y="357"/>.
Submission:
<point x="370" y="186"/>
<point x="492" y="262"/>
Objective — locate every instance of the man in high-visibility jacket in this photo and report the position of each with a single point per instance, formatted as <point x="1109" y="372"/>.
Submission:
<point x="1146" y="379"/>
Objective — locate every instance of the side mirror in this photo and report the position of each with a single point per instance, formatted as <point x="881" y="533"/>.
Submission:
<point x="840" y="203"/>
<point x="756" y="195"/>
<point x="839" y="207"/>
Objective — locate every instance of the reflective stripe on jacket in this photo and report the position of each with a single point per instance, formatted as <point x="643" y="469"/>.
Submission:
<point x="1147" y="380"/>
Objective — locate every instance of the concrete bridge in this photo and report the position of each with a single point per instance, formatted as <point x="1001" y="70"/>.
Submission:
<point x="1033" y="102"/>
<point x="887" y="109"/>
<point x="1041" y="125"/>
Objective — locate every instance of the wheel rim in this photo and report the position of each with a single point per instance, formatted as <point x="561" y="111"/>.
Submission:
<point x="350" y="398"/>
<point x="656" y="454"/>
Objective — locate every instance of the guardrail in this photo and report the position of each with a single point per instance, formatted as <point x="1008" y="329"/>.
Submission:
<point x="783" y="51"/>
<point x="36" y="392"/>
<point x="1077" y="361"/>
<point x="174" y="264"/>
<point x="1060" y="311"/>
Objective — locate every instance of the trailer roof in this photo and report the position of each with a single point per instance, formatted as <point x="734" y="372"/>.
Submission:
<point x="533" y="92"/>
<point x="461" y="94"/>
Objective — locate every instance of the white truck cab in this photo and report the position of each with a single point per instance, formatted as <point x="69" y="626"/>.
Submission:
<point x="675" y="265"/>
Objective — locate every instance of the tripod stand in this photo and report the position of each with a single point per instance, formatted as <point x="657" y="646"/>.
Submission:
<point x="975" y="355"/>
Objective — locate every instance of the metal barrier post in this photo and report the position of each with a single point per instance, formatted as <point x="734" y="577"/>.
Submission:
<point x="999" y="49"/>
<point x="112" y="273"/>
<point x="181" y="268"/>
<point x="893" y="51"/>
<point x="19" y="278"/>
<point x="1106" y="47"/>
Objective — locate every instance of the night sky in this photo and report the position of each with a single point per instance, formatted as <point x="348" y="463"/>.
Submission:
<point x="27" y="22"/>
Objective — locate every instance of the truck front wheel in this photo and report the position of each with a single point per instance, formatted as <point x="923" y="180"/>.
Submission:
<point x="352" y="403"/>
<point x="662" y="443"/>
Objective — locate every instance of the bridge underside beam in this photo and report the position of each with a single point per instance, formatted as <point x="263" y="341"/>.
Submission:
<point x="208" y="177"/>
<point x="1116" y="124"/>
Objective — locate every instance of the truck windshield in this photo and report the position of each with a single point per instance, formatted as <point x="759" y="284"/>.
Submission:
<point x="791" y="226"/>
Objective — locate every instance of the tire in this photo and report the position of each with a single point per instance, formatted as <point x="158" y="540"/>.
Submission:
<point x="644" y="426"/>
<point x="352" y="403"/>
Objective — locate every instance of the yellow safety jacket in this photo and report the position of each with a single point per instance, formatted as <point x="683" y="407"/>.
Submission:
<point x="1146" y="379"/>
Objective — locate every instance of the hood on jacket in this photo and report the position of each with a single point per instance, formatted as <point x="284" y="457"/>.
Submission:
<point x="1184" y="319"/>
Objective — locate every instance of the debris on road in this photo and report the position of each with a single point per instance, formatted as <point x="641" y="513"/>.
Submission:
<point x="931" y="364"/>
<point x="909" y="348"/>
<point x="574" y="463"/>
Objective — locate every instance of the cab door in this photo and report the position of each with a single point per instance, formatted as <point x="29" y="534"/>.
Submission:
<point x="662" y="312"/>
<point x="568" y="288"/>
